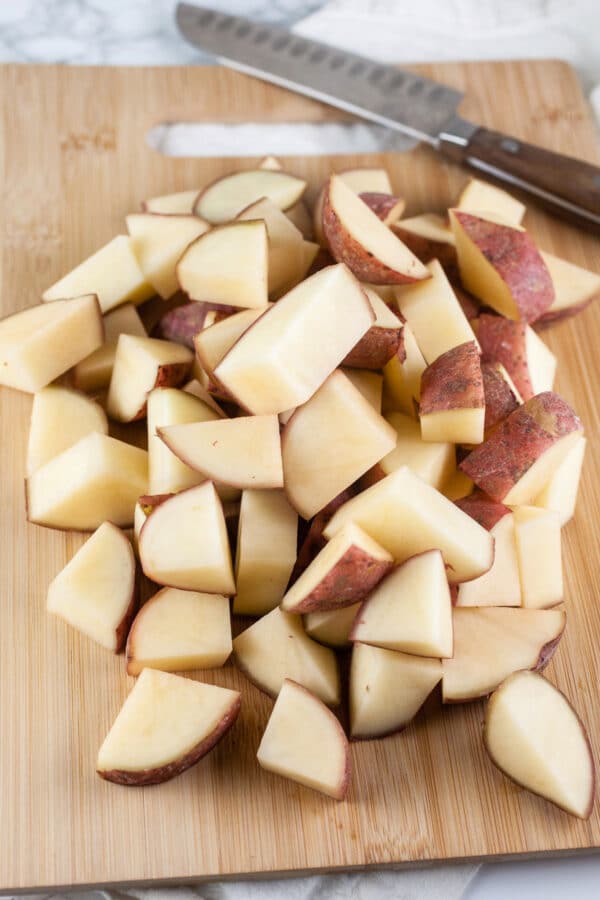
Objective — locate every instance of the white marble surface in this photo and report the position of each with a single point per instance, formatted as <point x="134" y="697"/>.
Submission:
<point x="125" y="32"/>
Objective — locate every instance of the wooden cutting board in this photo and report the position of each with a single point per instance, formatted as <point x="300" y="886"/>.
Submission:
<point x="73" y="163"/>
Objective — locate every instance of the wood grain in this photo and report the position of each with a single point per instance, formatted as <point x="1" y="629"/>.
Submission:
<point x="73" y="162"/>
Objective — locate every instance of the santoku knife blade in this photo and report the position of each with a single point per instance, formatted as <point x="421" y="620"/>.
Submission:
<point x="399" y="99"/>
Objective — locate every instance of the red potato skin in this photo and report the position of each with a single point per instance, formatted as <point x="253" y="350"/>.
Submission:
<point x="153" y="310"/>
<point x="345" y="249"/>
<point x="483" y="509"/>
<point x="182" y="323"/>
<point x="376" y="348"/>
<point x="165" y="773"/>
<point x="169" y="375"/>
<point x="313" y="541"/>
<point x="453" y="381"/>
<point x="500" y="462"/>
<point x="504" y="341"/>
<point x="500" y="400"/>
<point x="354" y="576"/>
<point x="425" y="248"/>
<point x="590" y="806"/>
<point x="385" y="206"/>
<point x="122" y="632"/>
<point x="517" y="260"/>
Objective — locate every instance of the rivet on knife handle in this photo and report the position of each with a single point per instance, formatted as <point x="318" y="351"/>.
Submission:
<point x="568" y="187"/>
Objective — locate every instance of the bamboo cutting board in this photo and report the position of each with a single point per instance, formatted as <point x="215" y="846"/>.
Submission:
<point x="73" y="163"/>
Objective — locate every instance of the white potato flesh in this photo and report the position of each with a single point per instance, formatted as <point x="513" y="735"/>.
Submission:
<point x="305" y="742"/>
<point x="141" y="363"/>
<point x="93" y="373"/>
<point x="41" y="343"/>
<point x="331" y="441"/>
<point x="276" y="647"/>
<point x="387" y="689"/>
<point x="158" y="241"/>
<point x="534" y="736"/>
<point x="228" y="264"/>
<point x="432" y="461"/>
<point x="222" y="200"/>
<point x="244" y="452"/>
<point x="266" y="551"/>
<point x="537" y="533"/>
<point x="164" y="718"/>
<point x="95" y="592"/>
<point x="410" y="610"/>
<point x="284" y="357"/>
<point x="184" y="543"/>
<point x="407" y="516"/>
<point x="59" y="418"/>
<point x="112" y="273"/>
<point x="434" y="314"/>
<point x="180" y="630"/>
<point x="560" y="492"/>
<point x="96" y="480"/>
<point x="492" y="643"/>
<point x="501" y="585"/>
<point x="166" y="407"/>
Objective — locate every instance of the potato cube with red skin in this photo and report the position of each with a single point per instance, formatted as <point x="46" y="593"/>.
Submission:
<point x="358" y="238"/>
<point x="502" y="266"/>
<point x="452" y="405"/>
<point x="313" y="541"/>
<point x="528" y="361"/>
<point x="382" y="341"/>
<point x="521" y="455"/>
<point x="501" y="395"/>
<point x="348" y="567"/>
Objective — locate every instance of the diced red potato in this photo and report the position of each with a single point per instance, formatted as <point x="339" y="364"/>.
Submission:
<point x="357" y="237"/>
<point x="501" y="266"/>
<point x="382" y="341"/>
<point x="530" y="364"/>
<point x="523" y="453"/>
<point x="501" y="395"/>
<point x="452" y="404"/>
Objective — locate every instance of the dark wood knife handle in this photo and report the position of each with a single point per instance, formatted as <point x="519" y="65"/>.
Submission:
<point x="569" y="187"/>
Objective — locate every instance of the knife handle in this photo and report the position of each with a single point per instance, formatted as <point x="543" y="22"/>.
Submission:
<point x="568" y="187"/>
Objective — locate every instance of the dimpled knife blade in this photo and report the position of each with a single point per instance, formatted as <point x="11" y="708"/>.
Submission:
<point x="383" y="94"/>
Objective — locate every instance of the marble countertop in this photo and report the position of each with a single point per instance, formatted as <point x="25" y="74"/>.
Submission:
<point x="139" y="32"/>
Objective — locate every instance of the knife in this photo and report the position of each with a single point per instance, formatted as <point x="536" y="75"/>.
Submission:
<point x="398" y="99"/>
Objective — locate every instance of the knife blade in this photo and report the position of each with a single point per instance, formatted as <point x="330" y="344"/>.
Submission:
<point x="398" y="99"/>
